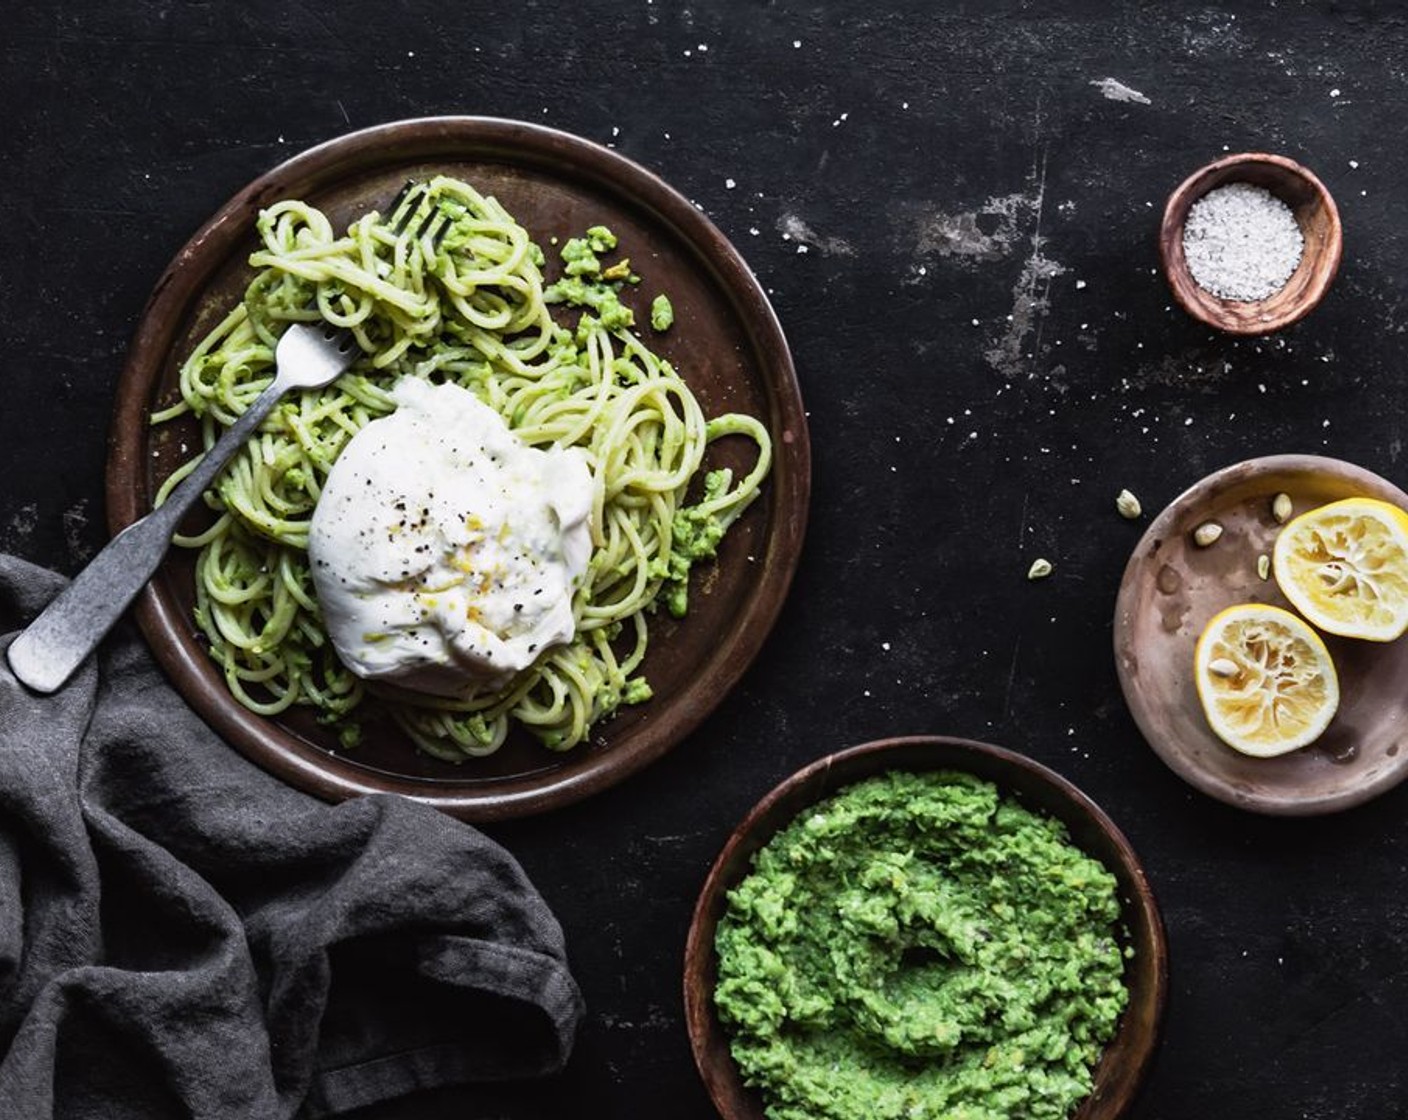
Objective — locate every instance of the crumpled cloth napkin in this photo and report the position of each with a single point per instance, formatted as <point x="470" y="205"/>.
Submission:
<point x="181" y="935"/>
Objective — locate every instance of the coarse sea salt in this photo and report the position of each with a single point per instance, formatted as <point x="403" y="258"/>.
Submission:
<point x="1241" y="242"/>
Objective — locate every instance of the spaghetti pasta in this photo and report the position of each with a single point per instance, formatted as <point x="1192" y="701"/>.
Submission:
<point x="459" y="297"/>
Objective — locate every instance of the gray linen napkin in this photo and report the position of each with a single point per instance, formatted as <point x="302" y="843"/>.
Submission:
<point x="181" y="935"/>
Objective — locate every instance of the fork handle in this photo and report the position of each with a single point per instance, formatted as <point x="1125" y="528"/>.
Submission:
<point x="57" y="642"/>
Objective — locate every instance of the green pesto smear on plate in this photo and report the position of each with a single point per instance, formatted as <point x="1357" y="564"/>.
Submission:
<point x="662" y="312"/>
<point x="697" y="529"/>
<point x="586" y="282"/>
<point x="920" y="947"/>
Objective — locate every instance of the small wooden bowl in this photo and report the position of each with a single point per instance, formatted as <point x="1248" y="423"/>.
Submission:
<point x="1172" y="588"/>
<point x="1127" y="1056"/>
<point x="1315" y="213"/>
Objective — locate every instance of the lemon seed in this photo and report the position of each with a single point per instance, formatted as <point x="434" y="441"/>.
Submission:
<point x="1128" y="505"/>
<point x="1040" y="569"/>
<point x="1222" y="667"/>
<point x="1281" y="508"/>
<point x="1206" y="533"/>
<point x="1263" y="566"/>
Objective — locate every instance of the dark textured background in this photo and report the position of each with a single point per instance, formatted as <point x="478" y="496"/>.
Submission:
<point x="957" y="229"/>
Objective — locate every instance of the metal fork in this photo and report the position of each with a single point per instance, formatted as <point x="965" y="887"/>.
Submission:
<point x="307" y="356"/>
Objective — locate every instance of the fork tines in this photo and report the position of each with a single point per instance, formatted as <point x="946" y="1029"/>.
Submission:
<point x="407" y="205"/>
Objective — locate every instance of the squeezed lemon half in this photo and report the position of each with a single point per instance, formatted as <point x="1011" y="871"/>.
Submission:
<point x="1344" y="566"/>
<point x="1265" y="680"/>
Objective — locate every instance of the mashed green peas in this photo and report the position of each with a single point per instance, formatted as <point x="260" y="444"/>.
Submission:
<point x="920" y="947"/>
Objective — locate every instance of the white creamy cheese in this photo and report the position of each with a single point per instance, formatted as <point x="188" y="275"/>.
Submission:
<point x="445" y="551"/>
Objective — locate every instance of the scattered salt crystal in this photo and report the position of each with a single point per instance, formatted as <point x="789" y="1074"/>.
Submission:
<point x="1354" y="164"/>
<point x="1241" y="242"/>
<point x="729" y="184"/>
<point x="1080" y="284"/>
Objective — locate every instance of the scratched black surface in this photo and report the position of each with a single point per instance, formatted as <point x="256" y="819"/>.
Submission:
<point x="956" y="225"/>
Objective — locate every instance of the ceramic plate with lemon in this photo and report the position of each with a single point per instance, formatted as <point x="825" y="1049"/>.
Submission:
<point x="1269" y="667"/>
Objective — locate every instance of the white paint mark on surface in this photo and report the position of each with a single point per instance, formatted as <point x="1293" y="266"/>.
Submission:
<point x="1116" y="90"/>
<point x="1030" y="303"/>
<point x="75" y="521"/>
<point x="989" y="233"/>
<point x="793" y="228"/>
<point x="15" y="534"/>
<point x="1031" y="294"/>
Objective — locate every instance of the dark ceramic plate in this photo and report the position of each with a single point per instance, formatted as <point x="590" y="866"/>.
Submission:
<point x="1171" y="588"/>
<point x="726" y="342"/>
<point x="1126" y="1060"/>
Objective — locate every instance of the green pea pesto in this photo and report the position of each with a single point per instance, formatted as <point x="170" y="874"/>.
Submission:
<point x="586" y="283"/>
<point x="695" y="534"/>
<point x="579" y="258"/>
<point x="662" y="313"/>
<point x="601" y="298"/>
<point x="921" y="947"/>
<point x="601" y="239"/>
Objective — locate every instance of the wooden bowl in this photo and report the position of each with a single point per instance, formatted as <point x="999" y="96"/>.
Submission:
<point x="1172" y="587"/>
<point x="1127" y="1057"/>
<point x="1315" y="213"/>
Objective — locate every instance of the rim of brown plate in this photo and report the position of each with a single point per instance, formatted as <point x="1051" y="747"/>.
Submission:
<point x="1283" y="792"/>
<point x="168" y="630"/>
<point x="1128" y="1056"/>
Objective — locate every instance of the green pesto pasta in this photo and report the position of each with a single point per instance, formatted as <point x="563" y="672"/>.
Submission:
<point x="458" y="297"/>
